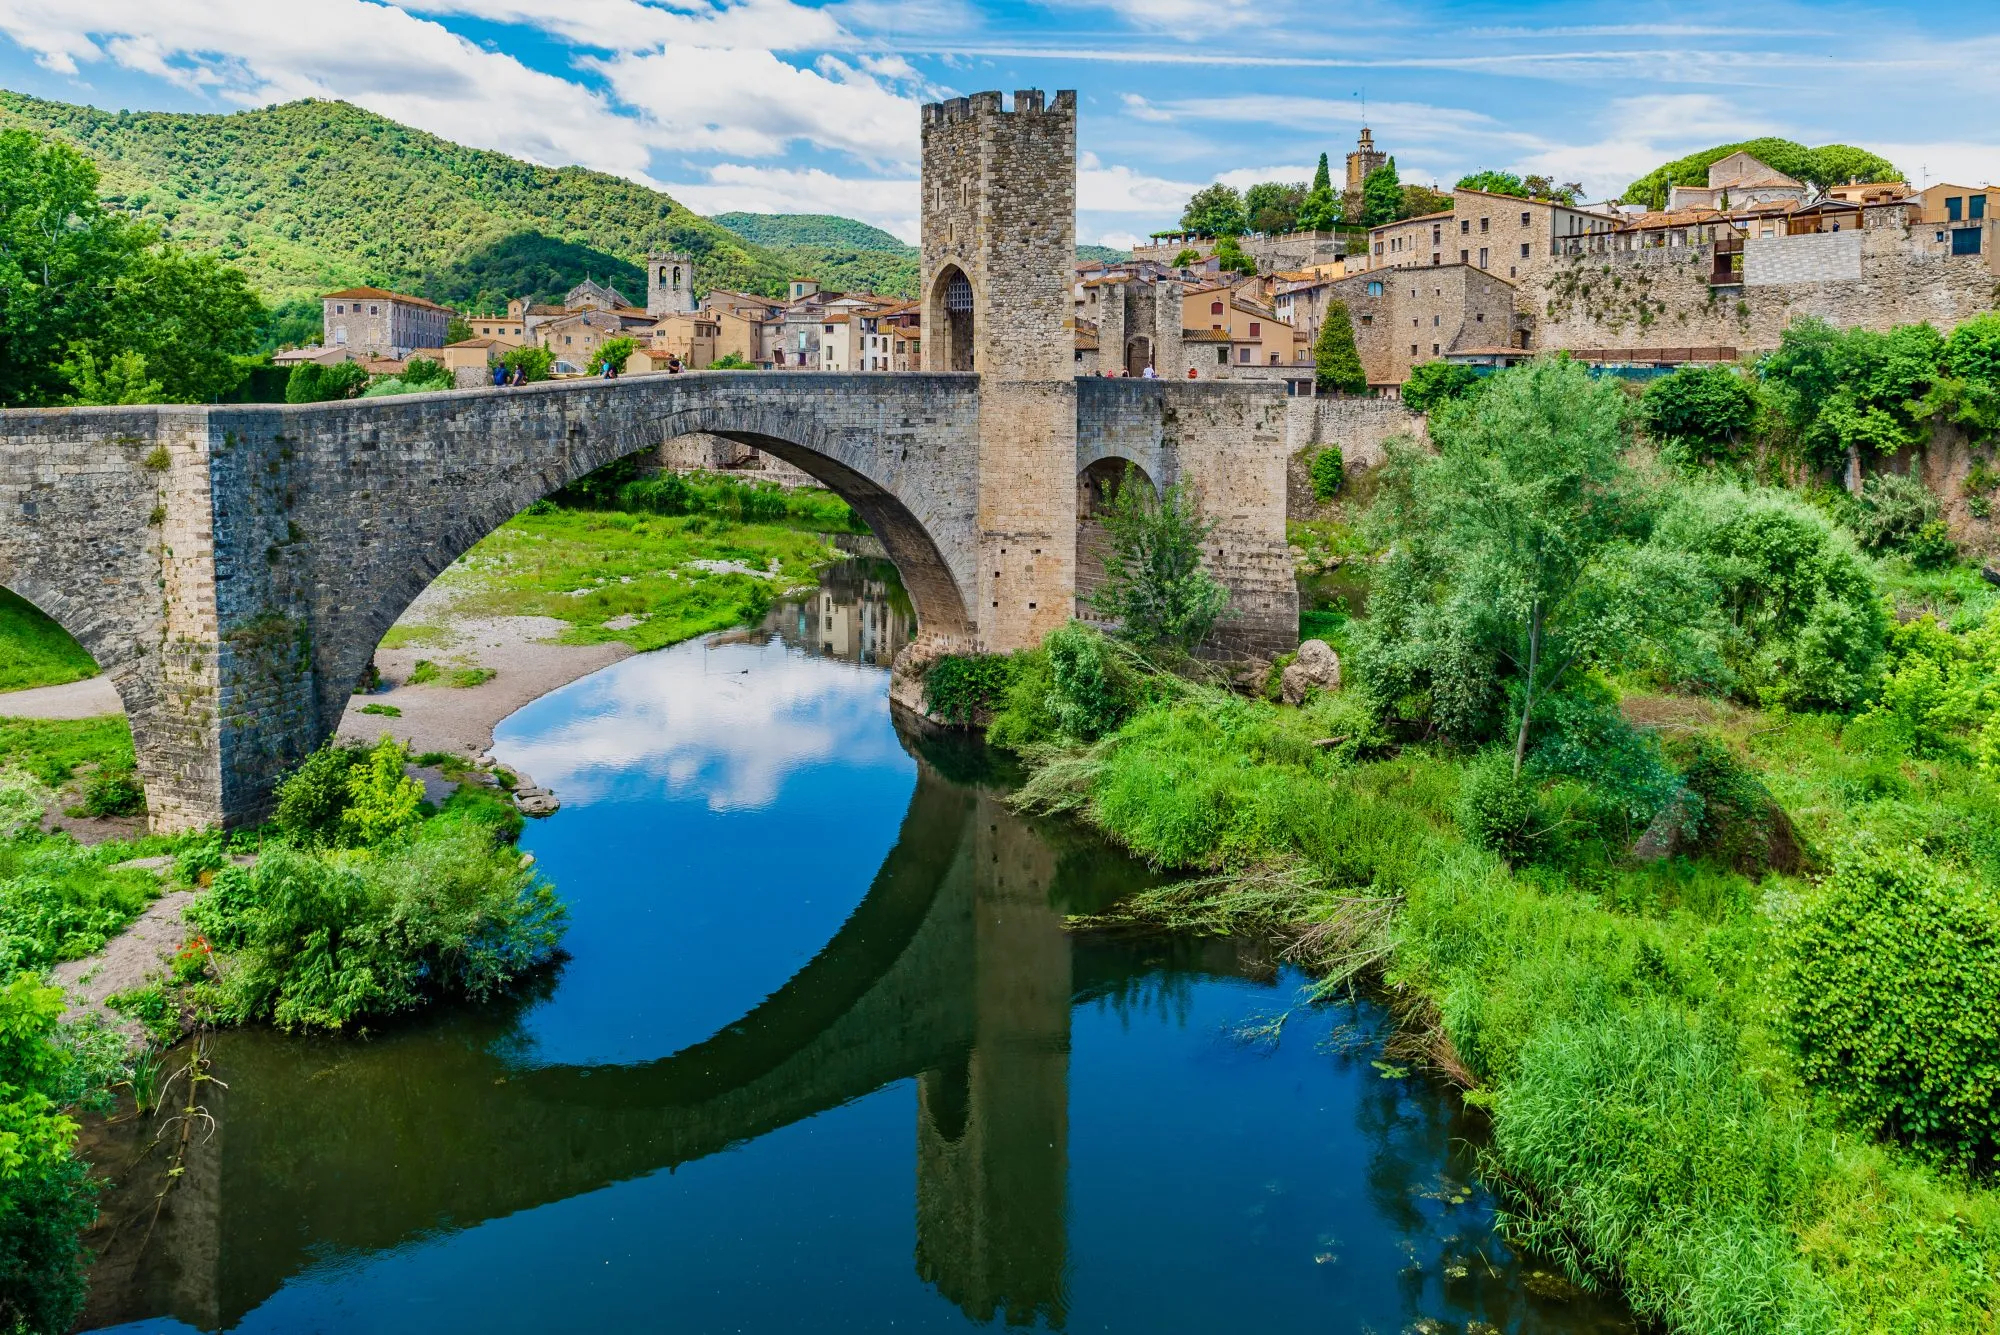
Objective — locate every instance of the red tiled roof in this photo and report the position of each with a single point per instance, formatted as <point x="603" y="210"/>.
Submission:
<point x="380" y="294"/>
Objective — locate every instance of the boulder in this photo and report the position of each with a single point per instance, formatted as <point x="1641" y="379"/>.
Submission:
<point x="1317" y="668"/>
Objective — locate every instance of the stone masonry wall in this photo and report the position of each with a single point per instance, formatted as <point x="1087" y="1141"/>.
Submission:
<point x="1661" y="298"/>
<point x="1228" y="441"/>
<point x="1824" y="257"/>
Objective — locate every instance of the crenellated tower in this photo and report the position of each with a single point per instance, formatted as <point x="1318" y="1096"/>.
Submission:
<point x="999" y="256"/>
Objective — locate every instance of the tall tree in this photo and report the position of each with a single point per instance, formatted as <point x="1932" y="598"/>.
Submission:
<point x="1272" y="207"/>
<point x="1154" y="581"/>
<point x="1215" y="210"/>
<point x="1323" y="177"/>
<point x="1321" y="211"/>
<point x="1381" y="196"/>
<point x="1337" y="364"/>
<point x="1509" y="544"/>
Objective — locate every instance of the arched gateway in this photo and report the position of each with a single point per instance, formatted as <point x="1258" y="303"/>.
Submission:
<point x="232" y="568"/>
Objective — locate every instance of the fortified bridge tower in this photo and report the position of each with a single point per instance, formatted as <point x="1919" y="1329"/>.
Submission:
<point x="232" y="567"/>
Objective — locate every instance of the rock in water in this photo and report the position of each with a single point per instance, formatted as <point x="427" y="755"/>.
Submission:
<point x="1317" y="668"/>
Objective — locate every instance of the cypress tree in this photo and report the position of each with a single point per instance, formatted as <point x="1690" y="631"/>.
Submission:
<point x="1339" y="365"/>
<point x="1323" y="178"/>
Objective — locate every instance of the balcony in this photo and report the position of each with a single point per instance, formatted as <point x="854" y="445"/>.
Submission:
<point x="1728" y="268"/>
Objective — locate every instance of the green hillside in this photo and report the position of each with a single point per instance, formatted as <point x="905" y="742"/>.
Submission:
<point x="1828" y="165"/>
<point x="818" y="231"/>
<point x="315" y="195"/>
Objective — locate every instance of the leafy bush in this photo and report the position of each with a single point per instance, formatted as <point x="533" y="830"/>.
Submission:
<point x="312" y="383"/>
<point x="1092" y="691"/>
<point x="59" y="901"/>
<point x="1899" y="513"/>
<point x="1328" y="471"/>
<point x="957" y="686"/>
<point x="1701" y="412"/>
<point x="312" y="801"/>
<point x="1024" y="717"/>
<point x="113" y="791"/>
<point x="730" y="361"/>
<point x="1337" y="363"/>
<point x="531" y="361"/>
<point x="382" y="801"/>
<point x="1154" y="582"/>
<point x="1787" y="612"/>
<point x="45" y="1195"/>
<point x="324" y="940"/>
<point x="614" y="352"/>
<point x="1846" y="393"/>
<point x="1890" y="983"/>
<point x="1500" y="811"/>
<point x="1436" y="383"/>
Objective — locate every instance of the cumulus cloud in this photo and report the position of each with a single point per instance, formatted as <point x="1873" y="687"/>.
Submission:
<point x="252" y="52"/>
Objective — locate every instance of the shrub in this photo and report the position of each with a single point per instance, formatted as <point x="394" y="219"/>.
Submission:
<point x="1024" y="716"/>
<point x="1092" y="692"/>
<point x="113" y="791"/>
<point x="1899" y="513"/>
<point x="1436" y="383"/>
<point x="957" y="686"/>
<point x="1337" y="364"/>
<point x="312" y="801"/>
<point x="1154" y="581"/>
<point x="1699" y="411"/>
<point x="1328" y="471"/>
<point x="730" y="361"/>
<point x="325" y="940"/>
<point x="382" y="801"/>
<point x="310" y="382"/>
<point x="1500" y="811"/>
<point x="533" y="362"/>
<point x="1890" y="985"/>
<point x="45" y="1193"/>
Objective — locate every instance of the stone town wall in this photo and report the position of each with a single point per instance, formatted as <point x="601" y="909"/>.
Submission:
<point x="1661" y="298"/>
<point x="1228" y="441"/>
<point x="1361" y="427"/>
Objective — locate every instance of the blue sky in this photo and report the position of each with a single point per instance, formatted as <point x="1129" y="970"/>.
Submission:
<point x="795" y="106"/>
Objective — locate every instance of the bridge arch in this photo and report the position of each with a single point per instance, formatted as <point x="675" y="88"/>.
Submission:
<point x="1097" y="486"/>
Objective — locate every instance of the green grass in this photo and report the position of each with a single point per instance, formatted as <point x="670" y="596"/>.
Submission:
<point x="418" y="637"/>
<point x="35" y="651"/>
<point x="590" y="567"/>
<point x="1648" y="1122"/>
<point x="53" y="749"/>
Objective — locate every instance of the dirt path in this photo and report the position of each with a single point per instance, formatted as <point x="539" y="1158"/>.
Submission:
<point x="93" y="697"/>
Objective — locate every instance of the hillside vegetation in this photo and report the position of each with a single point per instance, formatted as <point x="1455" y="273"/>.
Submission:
<point x="1830" y="164"/>
<point x="824" y="231"/>
<point x="314" y="195"/>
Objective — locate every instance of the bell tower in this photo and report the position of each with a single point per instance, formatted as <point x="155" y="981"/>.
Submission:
<point x="998" y="262"/>
<point x="669" y="284"/>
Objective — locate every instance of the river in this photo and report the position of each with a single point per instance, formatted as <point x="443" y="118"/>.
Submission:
<point x="823" y="1057"/>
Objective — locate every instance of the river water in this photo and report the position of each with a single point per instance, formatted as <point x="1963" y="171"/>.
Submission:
<point x="824" y="1058"/>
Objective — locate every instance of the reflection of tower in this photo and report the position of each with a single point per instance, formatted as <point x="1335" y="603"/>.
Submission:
<point x="993" y="1127"/>
<point x="998" y="259"/>
<point x="1362" y="160"/>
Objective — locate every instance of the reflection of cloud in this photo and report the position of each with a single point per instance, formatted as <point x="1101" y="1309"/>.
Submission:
<point x="730" y="721"/>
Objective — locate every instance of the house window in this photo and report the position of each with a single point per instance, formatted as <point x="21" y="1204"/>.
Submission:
<point x="1374" y="289"/>
<point x="1464" y="226"/>
<point x="1222" y="356"/>
<point x="374" y="310"/>
<point x="342" y="310"/>
<point x="1524" y="219"/>
<point x="339" y="335"/>
<point x="1954" y="208"/>
<point x="1965" y="241"/>
<point x="1524" y="250"/>
<point x="1215" y="308"/>
<point x="1479" y="318"/>
<point x="1483" y="256"/>
<point x="1437" y="234"/>
<point x="829" y="329"/>
<point x="1975" y="207"/>
<point x="1367" y="320"/>
<point x="1483" y="224"/>
<point x="1243" y="355"/>
<point x="1434" y="349"/>
<point x="1256" y="329"/>
<point x="1510" y="271"/>
<point x="1413" y="349"/>
<point x="1434" y="322"/>
<point x="1378" y="247"/>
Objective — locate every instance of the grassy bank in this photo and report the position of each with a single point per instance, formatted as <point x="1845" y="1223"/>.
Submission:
<point x="645" y="562"/>
<point x="35" y="651"/>
<point x="1664" y="807"/>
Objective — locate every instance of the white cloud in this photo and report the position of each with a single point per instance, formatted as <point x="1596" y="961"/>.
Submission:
<point x="891" y="204"/>
<point x="631" y="25"/>
<point x="750" y="103"/>
<point x="377" y="56"/>
<point x="1242" y="178"/>
<point x="1121" y="189"/>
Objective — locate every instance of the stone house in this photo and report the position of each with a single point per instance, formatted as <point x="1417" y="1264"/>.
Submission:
<point x="1738" y="181"/>
<point x="575" y="337"/>
<point x="1403" y="319"/>
<point x="690" y="335"/>
<point x="595" y="296"/>
<point x="372" y="321"/>
<point x="1496" y="233"/>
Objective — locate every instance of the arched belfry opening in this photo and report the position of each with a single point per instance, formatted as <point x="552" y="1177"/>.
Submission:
<point x="956" y="305"/>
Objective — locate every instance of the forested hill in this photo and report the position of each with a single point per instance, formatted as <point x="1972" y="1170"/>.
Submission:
<point x="820" y="230"/>
<point x="314" y="195"/>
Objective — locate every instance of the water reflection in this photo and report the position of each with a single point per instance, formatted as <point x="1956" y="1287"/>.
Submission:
<point x="786" y="949"/>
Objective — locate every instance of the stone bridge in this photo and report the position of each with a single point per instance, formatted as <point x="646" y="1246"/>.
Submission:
<point x="233" y="568"/>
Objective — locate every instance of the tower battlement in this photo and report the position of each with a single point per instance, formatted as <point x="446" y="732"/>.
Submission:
<point x="1027" y="102"/>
